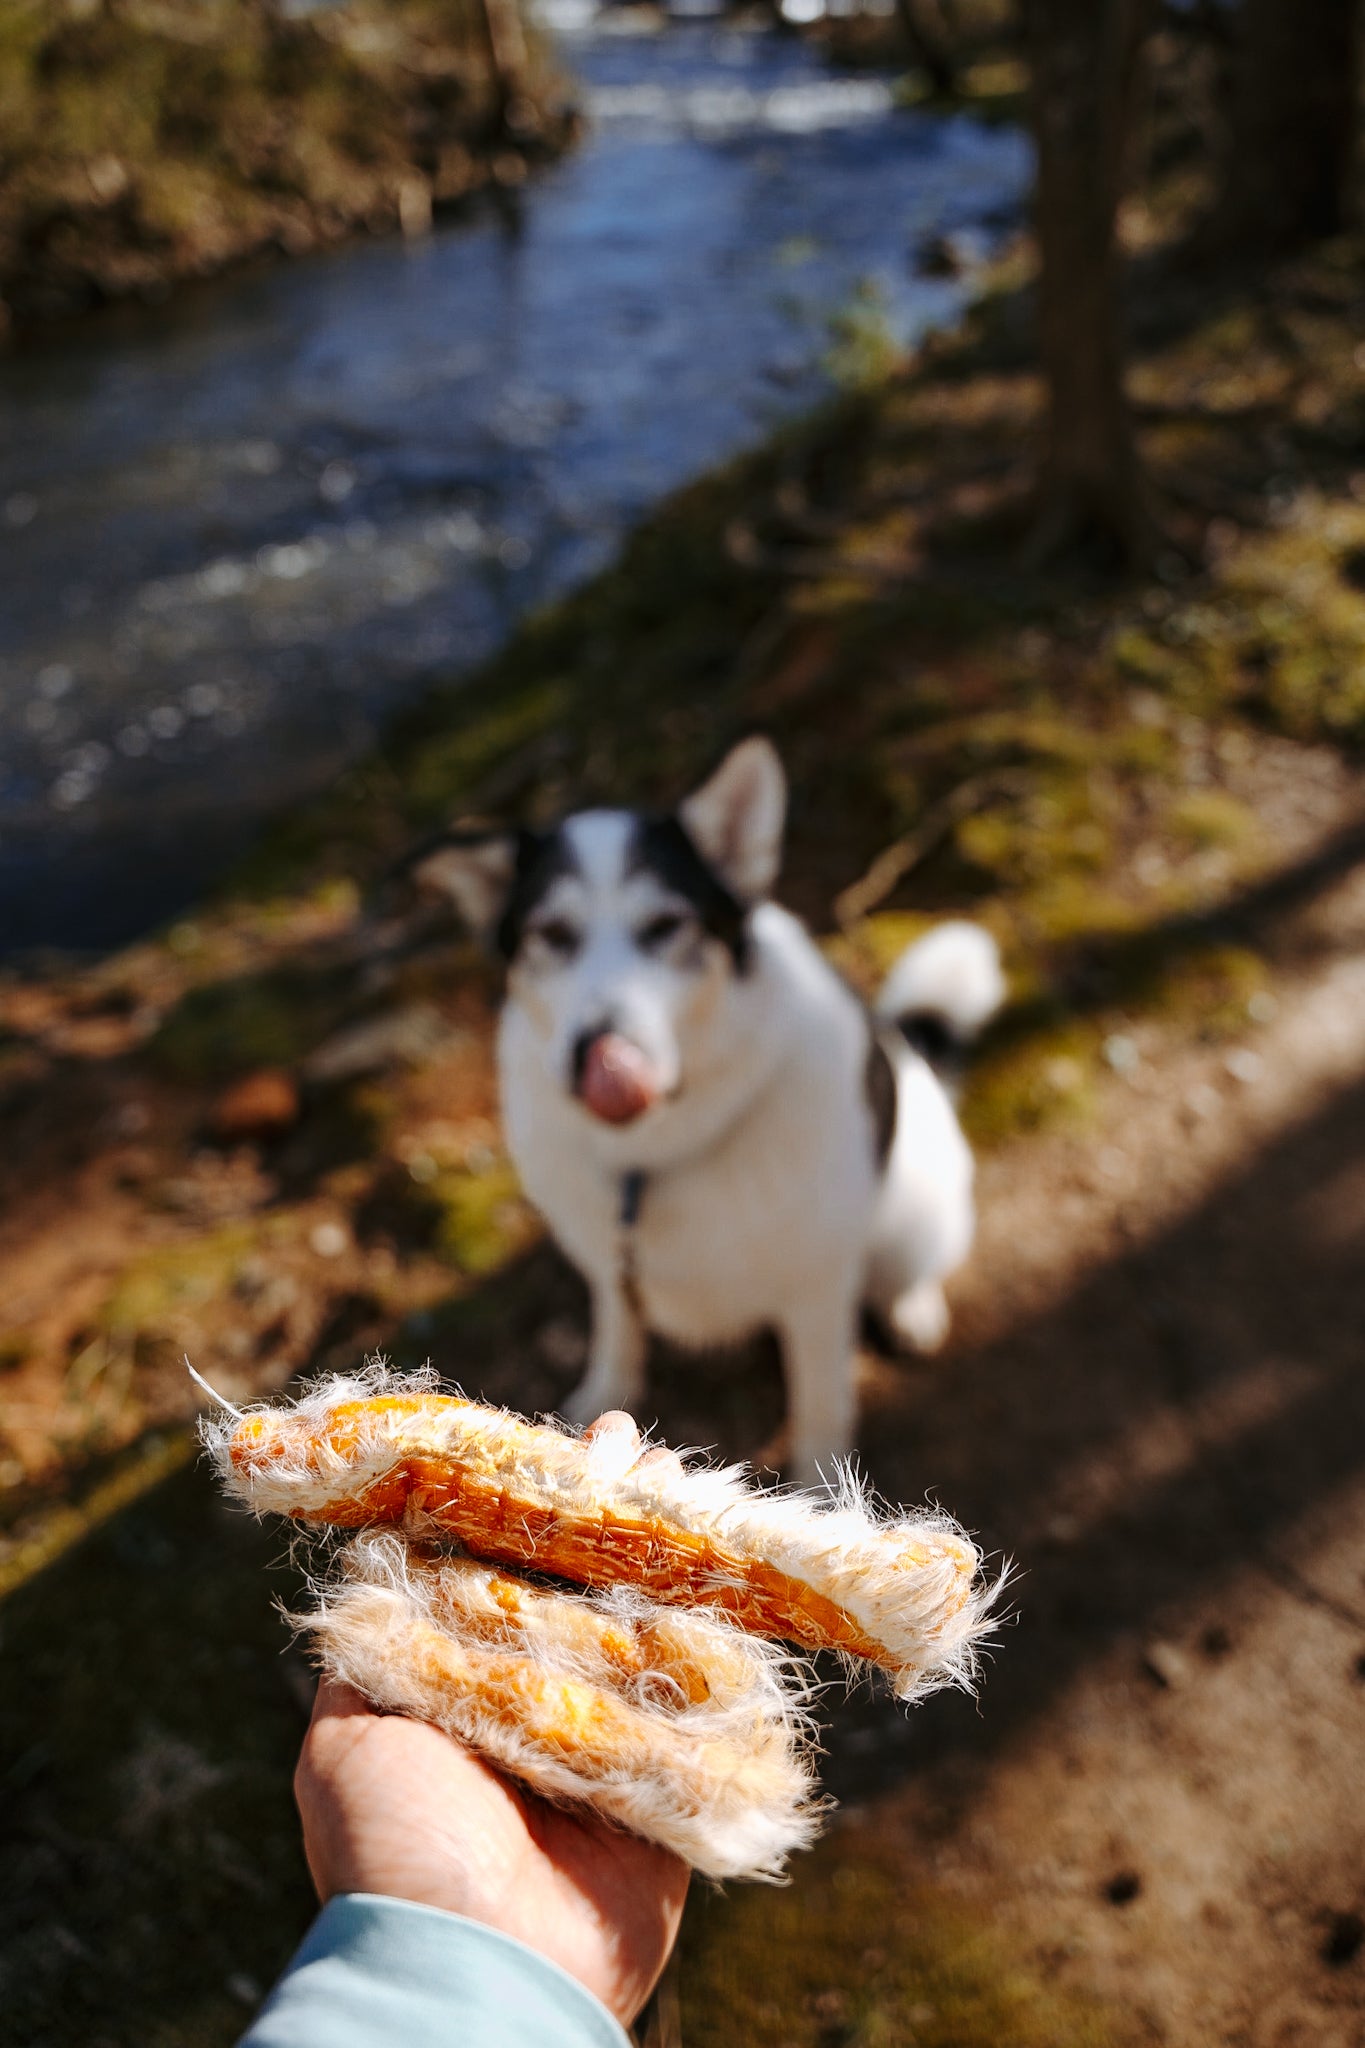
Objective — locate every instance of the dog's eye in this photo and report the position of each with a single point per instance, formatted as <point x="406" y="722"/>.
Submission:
<point x="559" y="935"/>
<point x="660" y="930"/>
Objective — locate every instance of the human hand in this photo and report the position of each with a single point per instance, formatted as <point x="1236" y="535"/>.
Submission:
<point x="395" y="1807"/>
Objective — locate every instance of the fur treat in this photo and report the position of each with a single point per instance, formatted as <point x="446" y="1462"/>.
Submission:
<point x="674" y="1726"/>
<point x="903" y="1591"/>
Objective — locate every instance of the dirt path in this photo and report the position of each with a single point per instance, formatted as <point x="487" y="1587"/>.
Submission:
<point x="1155" y="1402"/>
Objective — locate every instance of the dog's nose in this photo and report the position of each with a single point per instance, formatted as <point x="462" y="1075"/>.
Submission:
<point x="614" y="1078"/>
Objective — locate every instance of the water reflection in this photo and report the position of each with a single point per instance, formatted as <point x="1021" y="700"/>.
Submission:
<point x="239" y="532"/>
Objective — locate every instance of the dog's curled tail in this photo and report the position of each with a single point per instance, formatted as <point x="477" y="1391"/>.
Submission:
<point x="944" y="989"/>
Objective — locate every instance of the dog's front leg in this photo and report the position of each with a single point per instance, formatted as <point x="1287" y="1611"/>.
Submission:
<point x="818" y="1334"/>
<point x="616" y="1372"/>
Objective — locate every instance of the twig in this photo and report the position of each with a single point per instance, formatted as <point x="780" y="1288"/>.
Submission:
<point x="894" y="862"/>
<point x="746" y="551"/>
<point x="1293" y="1581"/>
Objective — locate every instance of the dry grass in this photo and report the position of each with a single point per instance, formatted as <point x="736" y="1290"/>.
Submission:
<point x="145" y="141"/>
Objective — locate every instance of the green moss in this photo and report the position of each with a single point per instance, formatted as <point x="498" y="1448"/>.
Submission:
<point x="453" y="763"/>
<point x="1213" y="988"/>
<point x="1063" y="828"/>
<point x="1210" y="817"/>
<point x="1033" y="1083"/>
<point x="863" y="350"/>
<point x="1073" y="905"/>
<point x="255" y="1020"/>
<point x="483" y="1221"/>
<point x="164" y="1283"/>
<point x="853" y="1953"/>
<point x="1139" y="655"/>
<point x="867" y="953"/>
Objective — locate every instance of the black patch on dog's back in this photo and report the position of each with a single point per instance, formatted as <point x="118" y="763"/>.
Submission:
<point x="929" y="1034"/>
<point x="542" y="857"/>
<point x="879" y="1089"/>
<point x="663" y="847"/>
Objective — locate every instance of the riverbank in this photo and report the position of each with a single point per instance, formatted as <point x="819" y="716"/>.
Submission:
<point x="244" y="530"/>
<point x="268" y="1138"/>
<point x="146" y="144"/>
<point x="1101" y="773"/>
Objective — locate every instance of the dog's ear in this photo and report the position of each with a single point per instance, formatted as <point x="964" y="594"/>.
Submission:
<point x="475" y="870"/>
<point x="735" y="819"/>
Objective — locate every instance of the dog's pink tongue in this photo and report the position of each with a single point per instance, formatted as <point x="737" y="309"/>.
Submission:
<point x="618" y="1082"/>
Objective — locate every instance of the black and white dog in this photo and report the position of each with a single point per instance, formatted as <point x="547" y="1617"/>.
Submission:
<point x="718" y="1133"/>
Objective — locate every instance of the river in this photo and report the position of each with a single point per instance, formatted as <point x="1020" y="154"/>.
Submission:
<point x="239" y="531"/>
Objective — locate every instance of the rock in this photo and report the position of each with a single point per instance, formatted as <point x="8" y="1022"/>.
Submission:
<point x="414" y="207"/>
<point x="260" y="1105"/>
<point x="1166" y="1664"/>
<point x="329" y="1240"/>
<point x="1244" y="1065"/>
<point x="1202" y="1101"/>
<point x="945" y="255"/>
<point x="1121" y="1053"/>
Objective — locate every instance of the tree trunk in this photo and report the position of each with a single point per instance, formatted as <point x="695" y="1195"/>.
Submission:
<point x="1294" y="101"/>
<point x="507" y="56"/>
<point x="1084" y="59"/>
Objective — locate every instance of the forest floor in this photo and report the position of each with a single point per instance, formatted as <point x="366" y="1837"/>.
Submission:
<point x="162" y="140"/>
<point x="268" y="1138"/>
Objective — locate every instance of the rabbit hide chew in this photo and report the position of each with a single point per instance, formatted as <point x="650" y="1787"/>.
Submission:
<point x="902" y="1591"/>
<point x="673" y="1724"/>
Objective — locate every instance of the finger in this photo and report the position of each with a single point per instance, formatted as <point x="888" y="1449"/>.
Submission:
<point x="612" y="1422"/>
<point x="612" y="1442"/>
<point x="659" y="1463"/>
<point x="334" y="1700"/>
<point x="341" y="1721"/>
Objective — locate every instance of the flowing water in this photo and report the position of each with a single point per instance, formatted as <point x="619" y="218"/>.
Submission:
<point x="239" y="532"/>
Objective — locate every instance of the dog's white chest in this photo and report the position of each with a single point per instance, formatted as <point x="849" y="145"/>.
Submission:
<point x="705" y="1270"/>
<point x="712" y="1249"/>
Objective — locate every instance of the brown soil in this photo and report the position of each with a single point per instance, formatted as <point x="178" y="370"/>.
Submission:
<point x="1154" y="1403"/>
<point x="1151" y="1400"/>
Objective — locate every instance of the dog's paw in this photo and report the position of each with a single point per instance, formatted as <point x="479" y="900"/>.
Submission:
<point x="919" y="1318"/>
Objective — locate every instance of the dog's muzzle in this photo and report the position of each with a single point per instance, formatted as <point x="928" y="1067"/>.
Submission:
<point x="613" y="1078"/>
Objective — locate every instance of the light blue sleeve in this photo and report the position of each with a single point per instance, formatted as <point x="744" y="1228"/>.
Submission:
<point x="374" y="1972"/>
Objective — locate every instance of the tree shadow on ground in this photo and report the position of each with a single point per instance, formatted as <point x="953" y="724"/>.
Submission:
<point x="1166" y="1426"/>
<point x="151" y="1876"/>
